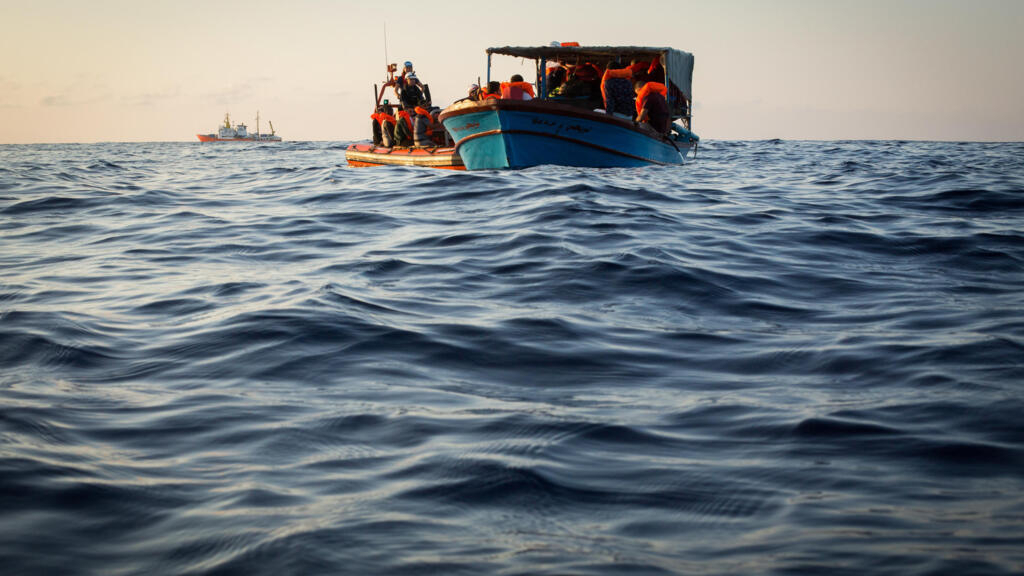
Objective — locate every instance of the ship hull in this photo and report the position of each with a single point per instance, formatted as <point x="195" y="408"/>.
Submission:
<point x="364" y="155"/>
<point x="500" y="134"/>
<point x="215" y="138"/>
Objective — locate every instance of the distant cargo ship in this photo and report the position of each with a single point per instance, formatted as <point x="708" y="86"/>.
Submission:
<point x="239" y="133"/>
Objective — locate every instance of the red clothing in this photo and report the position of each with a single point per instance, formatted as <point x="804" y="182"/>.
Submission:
<point x="650" y="87"/>
<point x="516" y="90"/>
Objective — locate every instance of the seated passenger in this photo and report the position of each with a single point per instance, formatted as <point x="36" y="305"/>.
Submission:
<point x="403" y="129"/>
<point x="583" y="83"/>
<point x="651" y="105"/>
<point x="493" y="91"/>
<point x="423" y="127"/>
<point x="386" y="121"/>
<point x="516" y="89"/>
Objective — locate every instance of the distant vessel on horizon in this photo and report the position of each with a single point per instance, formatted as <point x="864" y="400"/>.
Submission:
<point x="239" y="132"/>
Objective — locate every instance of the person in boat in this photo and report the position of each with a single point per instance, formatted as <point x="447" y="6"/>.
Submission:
<point x="407" y="70"/>
<point x="651" y="105"/>
<point x="407" y="87"/>
<point x="516" y="89"/>
<point x="493" y="91"/>
<point x="422" y="127"/>
<point x="385" y="125"/>
<point x="473" y="95"/>
<point x="582" y="84"/>
<point x="405" y="128"/>
<point x="556" y="76"/>
<point x="656" y="72"/>
<point x="617" y="90"/>
<point x="378" y="137"/>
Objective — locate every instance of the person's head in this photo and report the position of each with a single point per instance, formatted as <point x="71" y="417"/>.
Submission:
<point x="474" y="88"/>
<point x="410" y="79"/>
<point x="407" y="66"/>
<point x="516" y="78"/>
<point x="638" y="85"/>
<point x="493" y="87"/>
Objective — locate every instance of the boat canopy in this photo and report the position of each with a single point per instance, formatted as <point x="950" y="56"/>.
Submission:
<point x="678" y="64"/>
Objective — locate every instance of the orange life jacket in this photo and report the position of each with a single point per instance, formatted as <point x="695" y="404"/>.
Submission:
<point x="656" y="71"/>
<point x="430" y="119"/>
<point x="641" y="98"/>
<point x="383" y="117"/>
<point x="408" y="121"/>
<point x="570" y="43"/>
<point x="515" y="90"/>
<point x="488" y="95"/>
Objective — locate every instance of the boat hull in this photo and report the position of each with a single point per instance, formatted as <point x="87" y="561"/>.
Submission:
<point x="370" y="155"/>
<point x="518" y="134"/>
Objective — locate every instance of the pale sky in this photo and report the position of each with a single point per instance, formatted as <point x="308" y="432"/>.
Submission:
<point x="148" y="70"/>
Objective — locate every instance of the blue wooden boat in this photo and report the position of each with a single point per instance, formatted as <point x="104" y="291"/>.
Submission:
<point x="570" y="131"/>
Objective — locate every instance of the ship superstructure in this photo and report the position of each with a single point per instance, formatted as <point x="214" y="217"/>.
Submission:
<point x="229" y="132"/>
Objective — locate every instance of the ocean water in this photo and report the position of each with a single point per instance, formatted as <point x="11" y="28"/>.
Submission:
<point x="781" y="358"/>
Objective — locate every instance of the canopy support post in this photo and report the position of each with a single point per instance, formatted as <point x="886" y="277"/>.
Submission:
<point x="542" y="74"/>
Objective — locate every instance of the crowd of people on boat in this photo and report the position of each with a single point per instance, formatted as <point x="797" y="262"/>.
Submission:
<point x="637" y="91"/>
<point x="411" y="122"/>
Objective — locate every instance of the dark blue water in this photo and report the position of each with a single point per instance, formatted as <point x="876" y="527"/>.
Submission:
<point x="783" y="358"/>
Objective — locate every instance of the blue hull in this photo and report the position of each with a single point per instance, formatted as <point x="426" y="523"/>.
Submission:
<point x="518" y="134"/>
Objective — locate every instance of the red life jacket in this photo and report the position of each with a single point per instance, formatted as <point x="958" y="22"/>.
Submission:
<point x="494" y="96"/>
<point x="641" y="98"/>
<point x="515" y="90"/>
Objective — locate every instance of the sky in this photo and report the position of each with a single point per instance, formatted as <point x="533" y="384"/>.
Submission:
<point x="155" y="70"/>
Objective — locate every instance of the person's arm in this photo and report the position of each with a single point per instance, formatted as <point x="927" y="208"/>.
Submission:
<point x="642" y="117"/>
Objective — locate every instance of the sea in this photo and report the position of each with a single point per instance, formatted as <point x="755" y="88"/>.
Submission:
<point x="783" y="357"/>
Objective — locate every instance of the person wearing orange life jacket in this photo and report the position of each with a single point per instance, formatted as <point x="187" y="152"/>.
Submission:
<point x="652" y="105"/>
<point x="617" y="90"/>
<point x="491" y="92"/>
<point x="385" y="124"/>
<point x="422" y="130"/>
<point x="516" y="89"/>
<point x="377" y="138"/>
<point x="403" y="129"/>
<point x="655" y="72"/>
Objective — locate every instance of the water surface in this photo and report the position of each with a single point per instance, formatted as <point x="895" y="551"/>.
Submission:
<point x="785" y="357"/>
